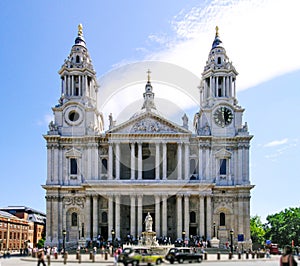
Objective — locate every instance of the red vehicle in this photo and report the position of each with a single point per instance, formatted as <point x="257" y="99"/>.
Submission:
<point x="274" y="250"/>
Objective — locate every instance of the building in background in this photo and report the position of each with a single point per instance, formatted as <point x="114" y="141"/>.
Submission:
<point x="36" y="221"/>
<point x="14" y="232"/>
<point x="192" y="182"/>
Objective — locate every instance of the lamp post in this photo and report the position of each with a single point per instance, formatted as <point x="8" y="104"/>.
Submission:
<point x="64" y="232"/>
<point x="112" y="236"/>
<point x="214" y="229"/>
<point x="231" y="241"/>
<point x="183" y="238"/>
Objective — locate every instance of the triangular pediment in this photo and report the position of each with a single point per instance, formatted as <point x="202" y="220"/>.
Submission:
<point x="73" y="153"/>
<point x="223" y="153"/>
<point x="148" y="123"/>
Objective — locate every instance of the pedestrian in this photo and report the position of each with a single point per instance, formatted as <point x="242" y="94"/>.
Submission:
<point x="287" y="258"/>
<point x="41" y="257"/>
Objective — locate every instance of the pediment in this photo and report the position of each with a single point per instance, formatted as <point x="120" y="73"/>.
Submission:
<point x="73" y="153"/>
<point x="223" y="153"/>
<point x="148" y="123"/>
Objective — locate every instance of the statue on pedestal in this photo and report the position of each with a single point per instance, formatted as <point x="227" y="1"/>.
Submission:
<point x="148" y="223"/>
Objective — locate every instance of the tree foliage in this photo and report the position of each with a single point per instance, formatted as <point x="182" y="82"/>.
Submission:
<point x="283" y="227"/>
<point x="257" y="230"/>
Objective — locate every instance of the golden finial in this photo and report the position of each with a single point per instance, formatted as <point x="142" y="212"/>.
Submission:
<point x="217" y="31"/>
<point x="80" y="30"/>
<point x="148" y="72"/>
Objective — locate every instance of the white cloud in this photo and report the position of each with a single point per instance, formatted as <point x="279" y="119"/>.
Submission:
<point x="45" y="120"/>
<point x="258" y="36"/>
<point x="275" y="143"/>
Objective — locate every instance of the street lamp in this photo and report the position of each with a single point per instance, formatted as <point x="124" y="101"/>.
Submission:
<point x="214" y="229"/>
<point x="183" y="237"/>
<point x="231" y="241"/>
<point x="112" y="235"/>
<point x="64" y="232"/>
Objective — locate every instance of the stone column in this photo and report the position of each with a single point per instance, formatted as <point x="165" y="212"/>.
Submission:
<point x="187" y="161"/>
<point x="157" y="161"/>
<point x="117" y="161"/>
<point x="117" y="215"/>
<point x="157" y="215"/>
<point x="187" y="214"/>
<point x="164" y="146"/>
<point x="110" y="214"/>
<point x="55" y="164"/>
<point x="240" y="165"/>
<point x="110" y="161"/>
<point x="95" y="162"/>
<point x="179" y="160"/>
<point x="241" y="215"/>
<point x="208" y="217"/>
<point x="201" y="216"/>
<point x="140" y="161"/>
<point x="179" y="215"/>
<point x="207" y="162"/>
<point x="95" y="216"/>
<point x="89" y="162"/>
<point x="164" y="216"/>
<point x="132" y="216"/>
<point x="200" y="163"/>
<point x="88" y="218"/>
<point x="49" y="215"/>
<point x="140" y="215"/>
<point x="132" y="161"/>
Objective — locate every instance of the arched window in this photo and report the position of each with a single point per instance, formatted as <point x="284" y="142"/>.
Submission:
<point x="74" y="219"/>
<point x="77" y="59"/>
<point x="192" y="217"/>
<point x="192" y="166"/>
<point x="222" y="219"/>
<point x="219" y="60"/>
<point x="104" y="217"/>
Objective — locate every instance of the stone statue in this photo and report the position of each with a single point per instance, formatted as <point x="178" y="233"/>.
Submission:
<point x="148" y="223"/>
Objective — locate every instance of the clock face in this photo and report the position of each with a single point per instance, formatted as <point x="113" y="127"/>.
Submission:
<point x="223" y="116"/>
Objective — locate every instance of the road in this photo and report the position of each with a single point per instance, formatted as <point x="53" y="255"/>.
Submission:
<point x="13" y="261"/>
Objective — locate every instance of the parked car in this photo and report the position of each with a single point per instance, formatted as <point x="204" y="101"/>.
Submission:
<point x="182" y="254"/>
<point x="138" y="255"/>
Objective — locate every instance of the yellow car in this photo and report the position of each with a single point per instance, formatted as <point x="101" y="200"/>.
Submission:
<point x="138" y="255"/>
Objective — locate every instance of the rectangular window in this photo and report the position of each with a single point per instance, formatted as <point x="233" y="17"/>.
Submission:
<point x="223" y="170"/>
<point x="73" y="166"/>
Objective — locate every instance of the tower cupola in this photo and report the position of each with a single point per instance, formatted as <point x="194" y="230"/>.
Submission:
<point x="148" y="95"/>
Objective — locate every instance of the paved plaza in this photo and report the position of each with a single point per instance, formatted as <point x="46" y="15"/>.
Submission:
<point x="85" y="260"/>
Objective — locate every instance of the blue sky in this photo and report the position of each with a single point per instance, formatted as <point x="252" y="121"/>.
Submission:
<point x="260" y="38"/>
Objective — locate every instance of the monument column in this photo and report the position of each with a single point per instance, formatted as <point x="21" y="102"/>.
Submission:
<point x="164" y="145"/>
<point x="164" y="215"/>
<point x="140" y="161"/>
<point x="187" y="161"/>
<point x="157" y="215"/>
<point x="117" y="161"/>
<point x="179" y="215"/>
<point x="132" y="216"/>
<point x="140" y="214"/>
<point x="110" y="161"/>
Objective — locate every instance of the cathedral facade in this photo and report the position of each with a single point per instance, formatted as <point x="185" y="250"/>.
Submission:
<point x="105" y="182"/>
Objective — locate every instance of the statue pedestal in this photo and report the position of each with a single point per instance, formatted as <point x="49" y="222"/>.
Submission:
<point x="148" y="238"/>
<point x="215" y="242"/>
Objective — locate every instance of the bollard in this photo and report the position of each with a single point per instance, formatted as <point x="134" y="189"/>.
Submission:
<point x="239" y="255"/>
<point x="65" y="257"/>
<point x="91" y="255"/>
<point x="257" y="255"/>
<point x="205" y="255"/>
<point x="247" y="255"/>
<point x="79" y="258"/>
<point x="48" y="260"/>
<point x="253" y="255"/>
<point x="105" y="256"/>
<point x="55" y="255"/>
<point x="218" y="255"/>
<point x="230" y="255"/>
<point x="77" y="255"/>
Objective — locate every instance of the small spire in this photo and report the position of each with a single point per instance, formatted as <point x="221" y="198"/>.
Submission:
<point x="80" y="30"/>
<point x="217" y="31"/>
<point x="148" y="74"/>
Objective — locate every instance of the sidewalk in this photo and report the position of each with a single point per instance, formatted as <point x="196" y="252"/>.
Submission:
<point x="99" y="258"/>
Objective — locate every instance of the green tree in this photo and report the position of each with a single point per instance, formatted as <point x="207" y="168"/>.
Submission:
<point x="283" y="227"/>
<point x="257" y="231"/>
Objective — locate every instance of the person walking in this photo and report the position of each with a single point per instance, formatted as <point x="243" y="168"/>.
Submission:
<point x="41" y="257"/>
<point x="287" y="258"/>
